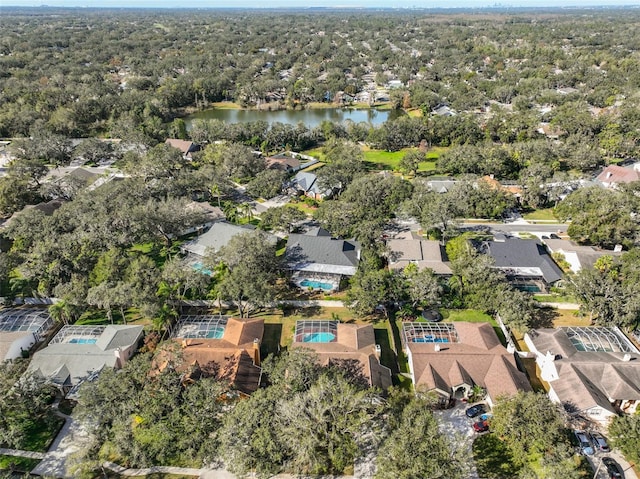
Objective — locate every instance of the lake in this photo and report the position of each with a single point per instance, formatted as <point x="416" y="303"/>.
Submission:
<point x="311" y="118"/>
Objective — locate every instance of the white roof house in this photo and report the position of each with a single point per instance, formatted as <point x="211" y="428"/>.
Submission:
<point x="77" y="353"/>
<point x="593" y="371"/>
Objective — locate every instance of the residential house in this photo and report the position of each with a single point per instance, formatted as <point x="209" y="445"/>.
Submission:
<point x="352" y="346"/>
<point x="186" y="147"/>
<point x="216" y="346"/>
<point x="320" y="261"/>
<point x="20" y="329"/>
<point x="218" y="236"/>
<point x="283" y="162"/>
<point x="526" y="263"/>
<point x="46" y="209"/>
<point x="423" y="253"/>
<point x="455" y="359"/>
<point x="211" y="215"/>
<point x="441" y="184"/>
<point x="79" y="353"/>
<point x="613" y="175"/>
<point x="592" y="371"/>
<point x="307" y="184"/>
<point x="577" y="256"/>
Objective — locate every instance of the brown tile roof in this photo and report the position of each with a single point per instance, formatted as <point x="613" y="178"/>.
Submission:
<point x="355" y="342"/>
<point x="478" y="358"/>
<point x="230" y="358"/>
<point x="618" y="174"/>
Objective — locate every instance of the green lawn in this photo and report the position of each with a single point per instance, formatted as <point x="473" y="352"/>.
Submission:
<point x="390" y="160"/>
<point x="541" y="215"/>
<point x="42" y="433"/>
<point x="315" y="152"/>
<point x="14" y="463"/>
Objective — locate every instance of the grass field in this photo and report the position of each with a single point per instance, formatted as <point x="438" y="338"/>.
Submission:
<point x="17" y="464"/>
<point x="390" y="160"/>
<point x="541" y="215"/>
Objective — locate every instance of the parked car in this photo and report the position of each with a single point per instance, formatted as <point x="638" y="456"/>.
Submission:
<point x="599" y="442"/>
<point x="614" y="471"/>
<point x="481" y="426"/>
<point x="476" y="410"/>
<point x="486" y="416"/>
<point x="583" y="441"/>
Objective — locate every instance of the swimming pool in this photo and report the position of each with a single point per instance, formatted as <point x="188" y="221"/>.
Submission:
<point x="83" y="341"/>
<point x="198" y="266"/>
<point x="308" y="283"/>
<point x="318" y="338"/>
<point x="430" y="339"/>
<point x="215" y="333"/>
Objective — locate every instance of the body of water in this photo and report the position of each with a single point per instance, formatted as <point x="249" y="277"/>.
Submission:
<point x="311" y="118"/>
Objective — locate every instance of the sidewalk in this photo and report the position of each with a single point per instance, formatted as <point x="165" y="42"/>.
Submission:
<point x="21" y="453"/>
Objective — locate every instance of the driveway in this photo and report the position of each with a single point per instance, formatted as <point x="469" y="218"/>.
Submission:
<point x="596" y="464"/>
<point x="71" y="438"/>
<point x="457" y="427"/>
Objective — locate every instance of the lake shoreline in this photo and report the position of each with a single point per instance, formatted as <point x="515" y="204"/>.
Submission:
<point x="312" y="114"/>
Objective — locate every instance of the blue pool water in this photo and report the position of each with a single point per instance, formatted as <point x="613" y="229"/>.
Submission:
<point x="529" y="288"/>
<point x="318" y="338"/>
<point x="308" y="283"/>
<point x="215" y="333"/>
<point x="430" y="339"/>
<point x="202" y="269"/>
<point x="82" y="341"/>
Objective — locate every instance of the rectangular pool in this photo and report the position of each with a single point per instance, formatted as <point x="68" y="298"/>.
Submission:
<point x="308" y="283"/>
<point x="83" y="341"/>
<point x="319" y="338"/>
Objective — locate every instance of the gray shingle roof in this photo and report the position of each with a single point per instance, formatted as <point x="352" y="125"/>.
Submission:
<point x="517" y="253"/>
<point x="68" y="363"/>
<point x="218" y="236"/>
<point x="322" y="254"/>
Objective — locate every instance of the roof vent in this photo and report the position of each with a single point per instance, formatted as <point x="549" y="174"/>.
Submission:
<point x="609" y="174"/>
<point x="436" y="347"/>
<point x="626" y="357"/>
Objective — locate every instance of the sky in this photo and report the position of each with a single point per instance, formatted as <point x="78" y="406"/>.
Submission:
<point x="317" y="3"/>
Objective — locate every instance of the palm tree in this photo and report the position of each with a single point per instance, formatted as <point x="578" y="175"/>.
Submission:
<point x="217" y="192"/>
<point x="61" y="311"/>
<point x="231" y="212"/>
<point x="247" y="210"/>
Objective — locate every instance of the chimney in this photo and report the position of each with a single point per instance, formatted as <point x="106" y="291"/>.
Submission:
<point x="256" y="352"/>
<point x="378" y="351"/>
<point x="626" y="357"/>
<point x="436" y="347"/>
<point x="120" y="358"/>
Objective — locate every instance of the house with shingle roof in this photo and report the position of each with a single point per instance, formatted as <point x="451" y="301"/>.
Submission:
<point x="526" y="263"/>
<point x="592" y="371"/>
<point x="218" y="236"/>
<point x="282" y="161"/>
<point x="307" y="184"/>
<point x="186" y="147"/>
<point x="79" y="353"/>
<point x="613" y="175"/>
<point x="452" y="358"/>
<point x="317" y="253"/>
<point x="578" y="256"/>
<point x="346" y="344"/>
<point x="423" y="253"/>
<point x="216" y="346"/>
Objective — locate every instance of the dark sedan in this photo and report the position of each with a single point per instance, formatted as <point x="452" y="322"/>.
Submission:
<point x="476" y="410"/>
<point x="614" y="471"/>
